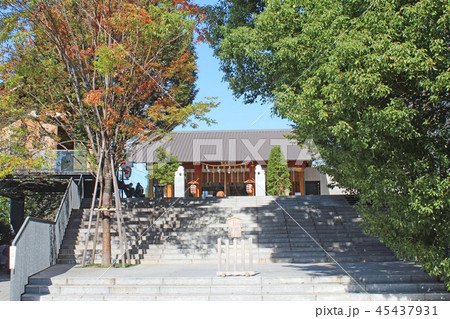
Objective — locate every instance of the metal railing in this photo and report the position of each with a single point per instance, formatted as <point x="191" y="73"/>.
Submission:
<point x="38" y="241"/>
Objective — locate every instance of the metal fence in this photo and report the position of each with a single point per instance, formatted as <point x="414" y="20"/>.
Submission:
<point x="38" y="241"/>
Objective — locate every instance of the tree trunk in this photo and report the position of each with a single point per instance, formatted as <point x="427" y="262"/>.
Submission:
<point x="106" y="216"/>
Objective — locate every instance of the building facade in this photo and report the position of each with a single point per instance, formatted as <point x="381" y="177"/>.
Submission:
<point x="232" y="163"/>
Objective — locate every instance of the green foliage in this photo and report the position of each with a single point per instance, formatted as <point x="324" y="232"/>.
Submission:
<point x="277" y="173"/>
<point x="44" y="206"/>
<point x="109" y="58"/>
<point x="368" y="82"/>
<point x="5" y="229"/>
<point x="14" y="154"/>
<point x="164" y="170"/>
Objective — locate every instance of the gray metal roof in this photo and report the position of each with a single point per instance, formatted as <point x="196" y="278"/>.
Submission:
<point x="222" y="146"/>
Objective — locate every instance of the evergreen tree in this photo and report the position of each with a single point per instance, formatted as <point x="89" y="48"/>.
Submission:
<point x="164" y="170"/>
<point x="277" y="173"/>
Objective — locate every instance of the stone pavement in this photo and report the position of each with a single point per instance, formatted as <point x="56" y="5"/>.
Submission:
<point x="4" y="287"/>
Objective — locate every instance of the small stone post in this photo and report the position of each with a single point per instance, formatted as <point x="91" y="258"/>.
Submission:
<point x="234" y="255"/>
<point x="243" y="255"/>
<point x="227" y="256"/>
<point x="219" y="246"/>
<point x="250" y="262"/>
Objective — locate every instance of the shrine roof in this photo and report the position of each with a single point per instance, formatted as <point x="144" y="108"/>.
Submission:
<point x="222" y="146"/>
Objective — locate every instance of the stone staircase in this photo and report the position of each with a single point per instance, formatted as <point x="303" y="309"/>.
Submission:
<point x="285" y="229"/>
<point x="301" y="246"/>
<point x="143" y="227"/>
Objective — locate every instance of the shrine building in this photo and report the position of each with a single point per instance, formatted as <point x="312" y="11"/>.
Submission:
<point x="233" y="163"/>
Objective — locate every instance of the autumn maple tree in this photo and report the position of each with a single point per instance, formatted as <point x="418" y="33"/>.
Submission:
<point x="109" y="73"/>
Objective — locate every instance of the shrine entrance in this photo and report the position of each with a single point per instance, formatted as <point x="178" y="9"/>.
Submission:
<point x="227" y="178"/>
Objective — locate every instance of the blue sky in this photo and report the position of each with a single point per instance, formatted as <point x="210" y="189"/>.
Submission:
<point x="231" y="114"/>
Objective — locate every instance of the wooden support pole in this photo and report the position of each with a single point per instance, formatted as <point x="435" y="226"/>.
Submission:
<point x="97" y="223"/>
<point x="118" y="212"/>
<point x="91" y="211"/>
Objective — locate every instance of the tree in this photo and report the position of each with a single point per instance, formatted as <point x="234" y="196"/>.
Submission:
<point x="109" y="73"/>
<point x="368" y="82"/>
<point x="165" y="168"/>
<point x="5" y="229"/>
<point x="241" y="71"/>
<point x="16" y="143"/>
<point x="277" y="173"/>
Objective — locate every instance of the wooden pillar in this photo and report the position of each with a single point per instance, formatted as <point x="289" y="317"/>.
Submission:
<point x="252" y="175"/>
<point x="198" y="178"/>
<point x="150" y="188"/>
<point x="227" y="180"/>
<point x="169" y="190"/>
<point x="302" y="181"/>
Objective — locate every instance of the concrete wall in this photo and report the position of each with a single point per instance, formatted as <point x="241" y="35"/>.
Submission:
<point x="34" y="252"/>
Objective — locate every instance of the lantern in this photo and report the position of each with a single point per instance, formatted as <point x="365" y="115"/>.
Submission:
<point x="193" y="189"/>
<point x="249" y="188"/>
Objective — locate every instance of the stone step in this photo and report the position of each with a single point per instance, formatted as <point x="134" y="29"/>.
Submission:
<point x="418" y="277"/>
<point x="229" y="290"/>
<point x="281" y="297"/>
<point x="258" y="244"/>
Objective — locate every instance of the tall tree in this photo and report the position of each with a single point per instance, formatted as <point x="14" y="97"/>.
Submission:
<point x="109" y="73"/>
<point x="368" y="81"/>
<point x="277" y="173"/>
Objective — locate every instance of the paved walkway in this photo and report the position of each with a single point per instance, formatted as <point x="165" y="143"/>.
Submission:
<point x="4" y="287"/>
<point x="358" y="270"/>
<point x="324" y="281"/>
